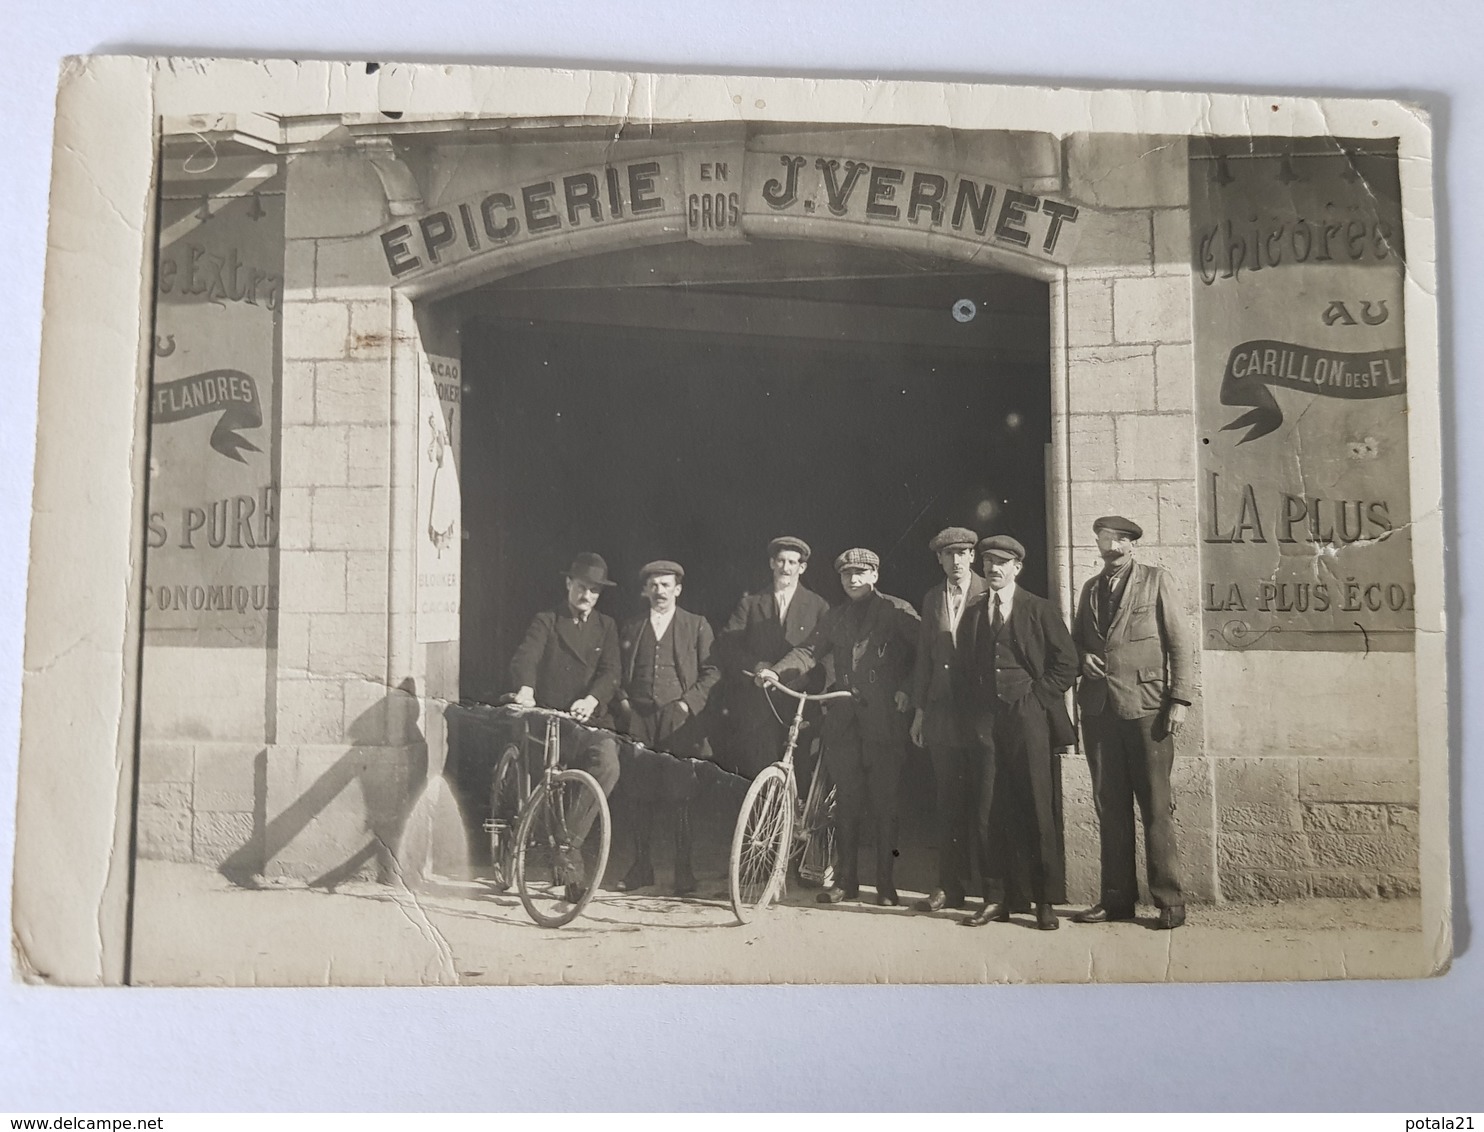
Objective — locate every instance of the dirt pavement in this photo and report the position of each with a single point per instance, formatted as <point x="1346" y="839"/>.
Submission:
<point x="192" y="927"/>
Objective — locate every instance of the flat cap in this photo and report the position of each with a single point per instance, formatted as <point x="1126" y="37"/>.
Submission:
<point x="1119" y="526"/>
<point x="951" y="538"/>
<point x="858" y="558"/>
<point x="662" y="566"/>
<point x="1002" y="546"/>
<point x="788" y="542"/>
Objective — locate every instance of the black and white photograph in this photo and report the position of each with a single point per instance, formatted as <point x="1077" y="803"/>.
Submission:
<point x="662" y="529"/>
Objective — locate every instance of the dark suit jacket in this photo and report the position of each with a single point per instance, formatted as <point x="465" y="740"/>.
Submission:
<point x="1044" y="648"/>
<point x="563" y="662"/>
<point x="1147" y="648"/>
<point x="872" y="657"/>
<point x="694" y="643"/>
<point x="938" y="687"/>
<point x="754" y="637"/>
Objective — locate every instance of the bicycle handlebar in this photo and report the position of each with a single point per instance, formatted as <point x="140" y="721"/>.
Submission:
<point x="535" y="709"/>
<point x="807" y="697"/>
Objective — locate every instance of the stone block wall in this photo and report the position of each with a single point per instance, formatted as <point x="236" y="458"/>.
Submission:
<point x="1130" y="429"/>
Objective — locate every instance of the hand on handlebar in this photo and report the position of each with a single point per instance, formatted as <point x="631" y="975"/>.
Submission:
<point x="582" y="710"/>
<point x="525" y="697"/>
<point x="766" y="676"/>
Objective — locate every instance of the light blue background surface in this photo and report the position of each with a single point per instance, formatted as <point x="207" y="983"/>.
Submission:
<point x="1403" y="1046"/>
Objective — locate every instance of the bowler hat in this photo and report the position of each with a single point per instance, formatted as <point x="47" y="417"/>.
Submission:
<point x="1001" y="546"/>
<point x="663" y="566"/>
<point x="952" y="538"/>
<point x="788" y="542"/>
<point x="1119" y="526"/>
<point x="589" y="568"/>
<point x="858" y="558"/>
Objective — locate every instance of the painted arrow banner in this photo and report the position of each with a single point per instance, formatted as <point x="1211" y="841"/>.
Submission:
<point x="228" y="391"/>
<point x="1254" y="368"/>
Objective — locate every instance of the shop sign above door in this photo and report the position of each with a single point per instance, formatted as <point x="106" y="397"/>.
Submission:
<point x="723" y="194"/>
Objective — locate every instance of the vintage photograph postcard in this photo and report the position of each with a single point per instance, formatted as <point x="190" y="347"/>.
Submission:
<point x="500" y="526"/>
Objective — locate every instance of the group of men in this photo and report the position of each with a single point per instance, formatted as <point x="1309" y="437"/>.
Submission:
<point x="978" y="681"/>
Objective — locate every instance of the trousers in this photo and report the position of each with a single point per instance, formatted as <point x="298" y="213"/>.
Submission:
<point x="1131" y="760"/>
<point x="1019" y="842"/>
<point x="951" y="774"/>
<point x="866" y="770"/>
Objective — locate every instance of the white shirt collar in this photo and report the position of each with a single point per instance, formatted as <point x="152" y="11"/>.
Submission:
<point x="660" y="622"/>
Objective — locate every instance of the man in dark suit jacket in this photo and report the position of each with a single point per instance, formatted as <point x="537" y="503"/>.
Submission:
<point x="940" y="724"/>
<point x="668" y="674"/>
<point x="870" y="638"/>
<point x="763" y="627"/>
<point x="1136" y="686"/>
<point x="1022" y="662"/>
<point x="569" y="661"/>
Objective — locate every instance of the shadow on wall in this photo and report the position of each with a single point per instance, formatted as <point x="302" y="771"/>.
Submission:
<point x="387" y="761"/>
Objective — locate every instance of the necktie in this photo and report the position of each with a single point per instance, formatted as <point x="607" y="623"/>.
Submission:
<point x="997" y="622"/>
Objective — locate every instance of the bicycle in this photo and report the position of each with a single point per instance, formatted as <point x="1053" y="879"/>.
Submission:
<point x="534" y="830"/>
<point x="763" y="840"/>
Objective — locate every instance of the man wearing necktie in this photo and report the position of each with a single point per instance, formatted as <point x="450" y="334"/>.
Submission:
<point x="940" y="724"/>
<point x="1134" y="693"/>
<point x="763" y="627"/>
<point x="1022" y="661"/>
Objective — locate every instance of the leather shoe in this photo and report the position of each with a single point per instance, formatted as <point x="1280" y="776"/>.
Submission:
<point x="935" y="901"/>
<point x="1102" y="914"/>
<point x="574" y="893"/>
<point x="835" y="895"/>
<point x="887" y="897"/>
<point x="1046" y="920"/>
<point x="999" y="912"/>
<point x="1171" y="917"/>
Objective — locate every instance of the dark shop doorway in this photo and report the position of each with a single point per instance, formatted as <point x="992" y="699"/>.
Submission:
<point x="673" y="414"/>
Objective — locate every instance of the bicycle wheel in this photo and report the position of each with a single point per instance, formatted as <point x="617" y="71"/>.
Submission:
<point x="760" y="843"/>
<point x="816" y="839"/>
<point x="507" y="789"/>
<point x="562" y="847"/>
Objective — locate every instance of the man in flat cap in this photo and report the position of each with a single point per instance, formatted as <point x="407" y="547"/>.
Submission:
<point x="940" y="724"/>
<point x="1022" y="662"/>
<point x="871" y="640"/>
<point x="1136" y="686"/>
<point x="668" y="674"/>
<point x="569" y="661"/>
<point x="763" y="627"/>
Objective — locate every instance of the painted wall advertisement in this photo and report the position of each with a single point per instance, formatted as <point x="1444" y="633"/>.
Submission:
<point x="439" y="526"/>
<point x="1301" y="395"/>
<point x="210" y="577"/>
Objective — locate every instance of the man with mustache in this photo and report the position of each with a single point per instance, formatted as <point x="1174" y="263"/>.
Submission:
<point x="668" y="674"/>
<point x="1022" y="662"/>
<point x="764" y="626"/>
<point x="569" y="661"/>
<point x="1136" y="687"/>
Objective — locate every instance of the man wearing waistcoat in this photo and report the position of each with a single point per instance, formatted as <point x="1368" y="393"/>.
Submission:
<point x="763" y="627"/>
<point x="871" y="639"/>
<point x="569" y="661"/>
<point x="1133" y="697"/>
<point x="940" y="724"/>
<point x="1022" y="661"/>
<point x="668" y="674"/>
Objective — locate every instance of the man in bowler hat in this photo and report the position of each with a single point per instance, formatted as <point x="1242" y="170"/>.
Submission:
<point x="940" y="723"/>
<point x="1136" y="687"/>
<point x="569" y="661"/>
<point x="668" y="674"/>
<point x="763" y="627"/>
<point x="1022" y="661"/>
<point x="871" y="639"/>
